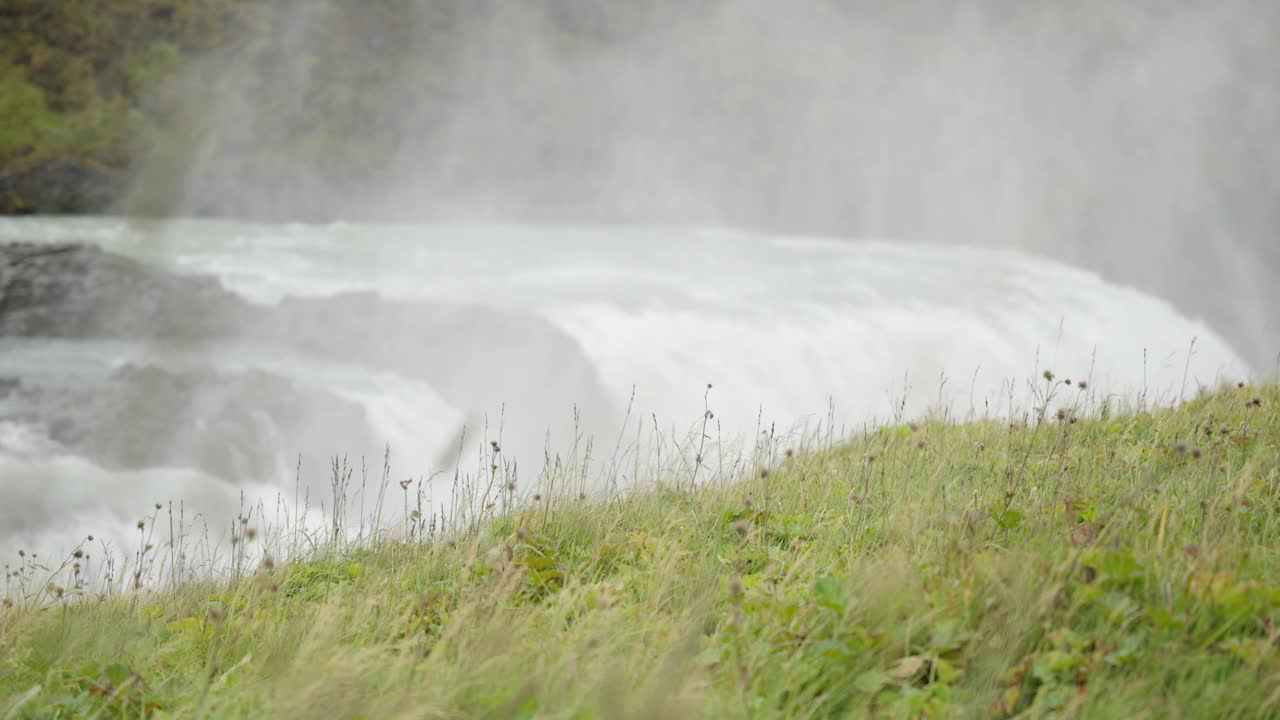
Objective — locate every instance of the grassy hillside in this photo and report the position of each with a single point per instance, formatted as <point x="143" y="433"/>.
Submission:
<point x="1084" y="566"/>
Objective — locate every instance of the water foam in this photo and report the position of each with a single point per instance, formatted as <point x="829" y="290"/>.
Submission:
<point x="787" y="330"/>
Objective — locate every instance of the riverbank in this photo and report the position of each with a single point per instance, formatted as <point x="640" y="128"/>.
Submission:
<point x="1097" y="564"/>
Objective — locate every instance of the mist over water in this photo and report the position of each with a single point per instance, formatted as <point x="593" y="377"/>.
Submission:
<point x="1134" y="139"/>
<point x="621" y="332"/>
<point x="833" y="213"/>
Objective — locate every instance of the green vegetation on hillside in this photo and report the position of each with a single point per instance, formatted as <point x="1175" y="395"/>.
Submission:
<point x="95" y="92"/>
<point x="1089" y="565"/>
<point x="73" y="78"/>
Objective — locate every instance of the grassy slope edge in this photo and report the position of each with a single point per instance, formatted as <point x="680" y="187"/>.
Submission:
<point x="1120" y="566"/>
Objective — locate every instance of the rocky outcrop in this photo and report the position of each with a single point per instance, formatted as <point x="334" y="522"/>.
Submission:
<point x="479" y="360"/>
<point x="57" y="187"/>
<point x="70" y="290"/>
<point x="225" y="424"/>
<point x="81" y="291"/>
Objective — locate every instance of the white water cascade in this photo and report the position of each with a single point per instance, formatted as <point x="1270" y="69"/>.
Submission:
<point x="795" y="333"/>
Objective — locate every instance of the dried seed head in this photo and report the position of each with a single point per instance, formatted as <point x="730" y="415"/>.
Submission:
<point x="1240" y="385"/>
<point x="404" y="484"/>
<point x="522" y="534"/>
<point x="90" y="538"/>
<point x="537" y="497"/>
<point x="1067" y="381"/>
<point x="79" y="553"/>
<point x="1061" y="414"/>
<point x="6" y="603"/>
<point x="920" y="444"/>
<point x="764" y="473"/>
<point x="1193" y="550"/>
<point x="268" y="562"/>
<point x="1180" y="449"/>
<point x="275" y="587"/>
<point x="582" y="496"/>
<point x="511" y="486"/>
<point x="1083" y="385"/>
<point x="1196" y="453"/>
<point x="1048" y="375"/>
<point x="251" y="534"/>
<point x="142" y="524"/>
<point x="742" y="527"/>
<point x="159" y="506"/>
<point x="215" y="614"/>
<point x="736" y="587"/>
<point x="791" y="453"/>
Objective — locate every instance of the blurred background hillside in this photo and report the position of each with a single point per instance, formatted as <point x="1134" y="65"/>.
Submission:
<point x="99" y="94"/>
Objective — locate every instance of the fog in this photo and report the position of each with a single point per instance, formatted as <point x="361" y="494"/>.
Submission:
<point x="1135" y="139"/>
<point x="1132" y="140"/>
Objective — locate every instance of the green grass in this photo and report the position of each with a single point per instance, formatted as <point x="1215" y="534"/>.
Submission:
<point x="1124" y="566"/>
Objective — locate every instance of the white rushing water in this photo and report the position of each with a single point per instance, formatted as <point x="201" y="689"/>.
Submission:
<point x="794" y="331"/>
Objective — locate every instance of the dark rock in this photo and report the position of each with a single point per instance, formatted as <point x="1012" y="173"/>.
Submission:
<point x="57" y="187"/>
<point x="79" y="291"/>
<point x="228" y="425"/>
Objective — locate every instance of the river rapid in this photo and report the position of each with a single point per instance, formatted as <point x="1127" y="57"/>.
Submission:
<point x="541" y="338"/>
